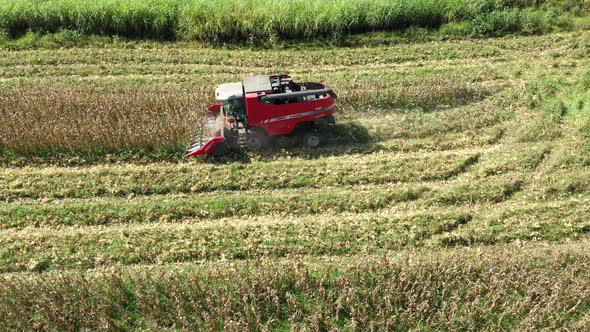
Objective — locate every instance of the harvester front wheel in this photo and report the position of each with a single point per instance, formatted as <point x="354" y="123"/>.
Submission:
<point x="256" y="140"/>
<point x="220" y="149"/>
<point x="311" y="140"/>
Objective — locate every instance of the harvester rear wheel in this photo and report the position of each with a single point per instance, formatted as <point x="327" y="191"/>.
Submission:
<point x="311" y="140"/>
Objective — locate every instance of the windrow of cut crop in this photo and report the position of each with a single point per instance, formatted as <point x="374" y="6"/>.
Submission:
<point x="169" y="178"/>
<point x="175" y="209"/>
<point x="178" y="209"/>
<point x="88" y="247"/>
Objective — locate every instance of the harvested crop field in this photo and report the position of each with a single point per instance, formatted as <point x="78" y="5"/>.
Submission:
<point x="453" y="194"/>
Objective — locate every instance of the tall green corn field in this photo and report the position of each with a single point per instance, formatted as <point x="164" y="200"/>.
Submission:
<point x="238" y="19"/>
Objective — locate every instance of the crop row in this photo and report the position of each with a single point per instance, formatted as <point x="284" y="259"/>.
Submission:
<point x="199" y="69"/>
<point x="164" y="178"/>
<point x="249" y="203"/>
<point x="414" y="89"/>
<point x="182" y="54"/>
<point x="92" y="123"/>
<point x="501" y="287"/>
<point x="448" y="91"/>
<point x="203" y="76"/>
<point x="278" y="236"/>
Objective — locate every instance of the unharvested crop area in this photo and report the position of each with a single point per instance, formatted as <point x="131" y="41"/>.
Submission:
<point x="453" y="194"/>
<point x="266" y="21"/>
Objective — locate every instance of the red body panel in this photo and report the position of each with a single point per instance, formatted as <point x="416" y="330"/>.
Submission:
<point x="282" y="119"/>
<point x="206" y="148"/>
<point x="214" y="108"/>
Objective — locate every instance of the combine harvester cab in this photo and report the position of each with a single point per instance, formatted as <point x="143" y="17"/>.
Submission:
<point x="262" y="109"/>
<point x="210" y="138"/>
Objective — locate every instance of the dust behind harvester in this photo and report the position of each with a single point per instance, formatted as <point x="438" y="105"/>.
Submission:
<point x="265" y="109"/>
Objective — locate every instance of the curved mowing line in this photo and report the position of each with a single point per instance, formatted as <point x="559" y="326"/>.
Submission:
<point x="191" y="242"/>
<point x="99" y="181"/>
<point x="155" y="209"/>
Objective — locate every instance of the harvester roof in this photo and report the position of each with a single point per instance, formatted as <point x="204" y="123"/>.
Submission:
<point x="257" y="84"/>
<point x="229" y="90"/>
<point x="263" y="83"/>
<point x="252" y="84"/>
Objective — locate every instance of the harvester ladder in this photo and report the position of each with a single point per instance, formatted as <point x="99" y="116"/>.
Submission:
<point x="242" y="133"/>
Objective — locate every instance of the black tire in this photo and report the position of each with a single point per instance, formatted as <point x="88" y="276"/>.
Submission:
<point x="231" y="137"/>
<point x="256" y="140"/>
<point x="220" y="149"/>
<point x="325" y="122"/>
<point x="311" y="140"/>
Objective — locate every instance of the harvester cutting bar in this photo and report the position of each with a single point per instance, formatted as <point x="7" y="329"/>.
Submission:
<point x="208" y="147"/>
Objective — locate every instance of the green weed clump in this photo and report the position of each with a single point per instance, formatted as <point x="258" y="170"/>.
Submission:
<point x="527" y="21"/>
<point x="561" y="97"/>
<point x="558" y="102"/>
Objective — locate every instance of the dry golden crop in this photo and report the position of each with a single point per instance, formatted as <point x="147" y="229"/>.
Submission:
<point x="70" y="119"/>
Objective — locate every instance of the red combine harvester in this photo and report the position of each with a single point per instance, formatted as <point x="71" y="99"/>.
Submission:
<point x="265" y="109"/>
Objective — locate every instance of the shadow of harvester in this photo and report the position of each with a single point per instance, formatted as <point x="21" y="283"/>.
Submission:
<point x="341" y="139"/>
